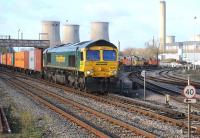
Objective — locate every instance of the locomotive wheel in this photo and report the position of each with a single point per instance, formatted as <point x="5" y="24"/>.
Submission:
<point x="76" y="86"/>
<point x="107" y="85"/>
<point x="81" y="82"/>
<point x="71" y="81"/>
<point x="104" y="85"/>
<point x="67" y="81"/>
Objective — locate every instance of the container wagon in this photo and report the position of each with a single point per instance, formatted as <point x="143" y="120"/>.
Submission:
<point x="35" y="61"/>
<point x="21" y="60"/>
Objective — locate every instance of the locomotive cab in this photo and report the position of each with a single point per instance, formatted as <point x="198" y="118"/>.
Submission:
<point x="99" y="62"/>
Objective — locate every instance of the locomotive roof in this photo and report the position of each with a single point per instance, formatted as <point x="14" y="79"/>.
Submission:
<point x="84" y="44"/>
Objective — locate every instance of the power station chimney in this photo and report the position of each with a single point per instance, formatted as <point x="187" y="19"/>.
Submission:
<point x="51" y="31"/>
<point x="162" y="26"/>
<point x="99" y="30"/>
<point x="70" y="33"/>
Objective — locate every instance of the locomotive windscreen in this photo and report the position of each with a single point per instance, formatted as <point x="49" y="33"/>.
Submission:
<point x="109" y="55"/>
<point x="93" y="55"/>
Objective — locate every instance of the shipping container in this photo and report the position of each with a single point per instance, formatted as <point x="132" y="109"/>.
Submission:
<point x="0" y="58"/>
<point x="38" y="59"/>
<point x="22" y="59"/>
<point x="4" y="59"/>
<point x="35" y="60"/>
<point x="10" y="59"/>
<point x="31" y="60"/>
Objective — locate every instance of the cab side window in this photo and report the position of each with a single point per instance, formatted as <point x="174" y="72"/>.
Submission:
<point x="72" y="60"/>
<point x="48" y="58"/>
<point x="81" y="56"/>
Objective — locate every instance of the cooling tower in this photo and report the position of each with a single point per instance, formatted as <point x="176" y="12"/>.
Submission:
<point x="170" y="39"/>
<point x="162" y="26"/>
<point x="52" y="31"/>
<point x="99" y="30"/>
<point x="70" y="33"/>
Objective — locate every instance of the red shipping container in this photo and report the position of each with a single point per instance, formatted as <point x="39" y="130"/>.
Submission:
<point x="22" y="59"/>
<point x="38" y="59"/>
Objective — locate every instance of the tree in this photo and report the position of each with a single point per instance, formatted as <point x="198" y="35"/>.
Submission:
<point x="3" y="50"/>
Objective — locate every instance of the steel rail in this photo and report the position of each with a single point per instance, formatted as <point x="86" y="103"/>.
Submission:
<point x="124" y="106"/>
<point x="155" y="115"/>
<point x="4" y="125"/>
<point x="1" y="123"/>
<point x="61" y="112"/>
<point x="97" y="113"/>
<point x="193" y="117"/>
<point x="130" y="108"/>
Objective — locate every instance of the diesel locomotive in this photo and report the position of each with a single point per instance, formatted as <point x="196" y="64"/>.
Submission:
<point x="88" y="64"/>
<point x="82" y="65"/>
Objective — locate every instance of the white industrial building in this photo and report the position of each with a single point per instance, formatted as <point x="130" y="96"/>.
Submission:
<point x="183" y="51"/>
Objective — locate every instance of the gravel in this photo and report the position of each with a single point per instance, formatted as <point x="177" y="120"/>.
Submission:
<point x="60" y="128"/>
<point x="160" y="128"/>
<point x="55" y="126"/>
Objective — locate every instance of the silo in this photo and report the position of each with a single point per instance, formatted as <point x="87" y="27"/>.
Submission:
<point x="170" y="39"/>
<point x="51" y="31"/>
<point x="99" y="30"/>
<point x="70" y="33"/>
<point x="162" y="26"/>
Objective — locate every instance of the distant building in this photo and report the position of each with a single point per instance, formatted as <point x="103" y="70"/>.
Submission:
<point x="183" y="51"/>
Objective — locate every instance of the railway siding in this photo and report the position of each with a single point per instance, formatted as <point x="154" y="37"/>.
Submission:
<point x="89" y="95"/>
<point x="126" y="126"/>
<point x="59" y="111"/>
<point x="68" y="89"/>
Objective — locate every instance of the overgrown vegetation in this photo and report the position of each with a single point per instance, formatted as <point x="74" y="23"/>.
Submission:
<point x="3" y="50"/>
<point x="148" y="52"/>
<point x="22" y="124"/>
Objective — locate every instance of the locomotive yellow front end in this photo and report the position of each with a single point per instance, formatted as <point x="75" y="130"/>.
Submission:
<point x="100" y="62"/>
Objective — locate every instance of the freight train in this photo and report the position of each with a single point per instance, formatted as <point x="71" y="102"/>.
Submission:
<point x="137" y="62"/>
<point x="80" y="65"/>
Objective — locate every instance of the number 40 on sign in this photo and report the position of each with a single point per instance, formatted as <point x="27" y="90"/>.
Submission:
<point x="189" y="91"/>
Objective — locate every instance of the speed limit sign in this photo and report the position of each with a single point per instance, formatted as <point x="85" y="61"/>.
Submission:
<point x="189" y="91"/>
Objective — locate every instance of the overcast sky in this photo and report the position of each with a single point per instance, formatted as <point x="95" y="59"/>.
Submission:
<point x="132" y="22"/>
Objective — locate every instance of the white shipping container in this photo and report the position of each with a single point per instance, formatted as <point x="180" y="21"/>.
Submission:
<point x="31" y="60"/>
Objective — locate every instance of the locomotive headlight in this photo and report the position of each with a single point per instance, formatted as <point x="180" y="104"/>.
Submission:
<point x="114" y="72"/>
<point x="89" y="72"/>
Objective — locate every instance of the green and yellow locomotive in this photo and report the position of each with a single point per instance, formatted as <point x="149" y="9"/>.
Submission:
<point x="83" y="64"/>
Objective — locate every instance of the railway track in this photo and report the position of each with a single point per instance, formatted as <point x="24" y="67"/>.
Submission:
<point x="178" y="80"/>
<point x="120" y="128"/>
<point x="167" y="78"/>
<point x="130" y="105"/>
<point x="159" y="89"/>
<point x="4" y="126"/>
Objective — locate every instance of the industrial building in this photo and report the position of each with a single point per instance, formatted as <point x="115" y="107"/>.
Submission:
<point x="183" y="51"/>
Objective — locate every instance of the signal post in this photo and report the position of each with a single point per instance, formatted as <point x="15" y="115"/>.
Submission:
<point x="189" y="93"/>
